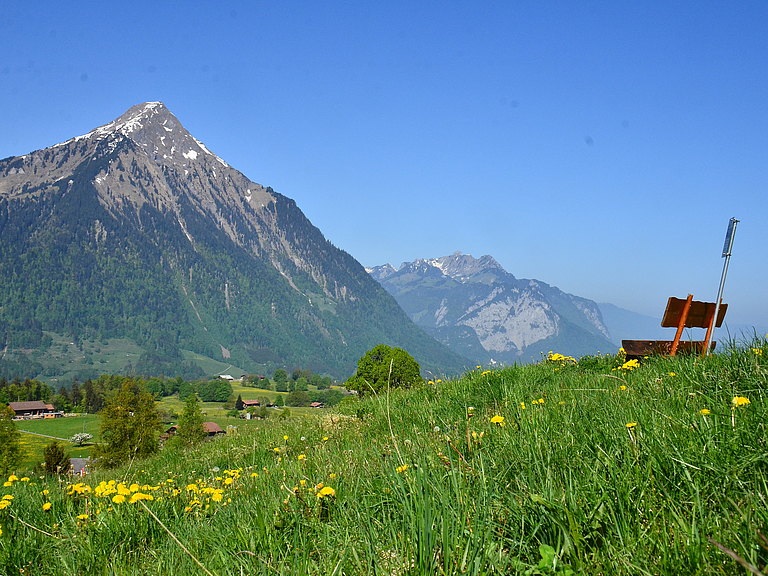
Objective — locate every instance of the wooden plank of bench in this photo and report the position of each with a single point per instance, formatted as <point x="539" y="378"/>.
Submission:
<point x="699" y="314"/>
<point x="642" y="348"/>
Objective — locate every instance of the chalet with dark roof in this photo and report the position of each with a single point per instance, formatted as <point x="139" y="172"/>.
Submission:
<point x="33" y="408"/>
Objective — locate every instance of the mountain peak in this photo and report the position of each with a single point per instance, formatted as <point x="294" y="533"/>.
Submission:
<point x="136" y="231"/>
<point x="483" y="312"/>
<point x="460" y="266"/>
<point x="153" y="127"/>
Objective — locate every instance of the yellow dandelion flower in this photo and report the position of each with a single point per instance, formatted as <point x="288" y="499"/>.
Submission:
<point x="118" y="499"/>
<point x="285" y="437"/>
<point x="673" y="374"/>
<point x="302" y="457"/>
<point x="140" y="496"/>
<point x="83" y="517"/>
<point x="630" y="365"/>
<point x="47" y="506"/>
<point x="326" y="491"/>
<point x="401" y="469"/>
<point x="332" y="476"/>
<point x="498" y="420"/>
<point x="740" y="401"/>
<point x="622" y="387"/>
<point x="705" y="411"/>
<point x="631" y="424"/>
<point x="757" y="351"/>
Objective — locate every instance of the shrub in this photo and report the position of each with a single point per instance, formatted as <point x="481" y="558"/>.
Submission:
<point x="382" y="367"/>
<point x="55" y="459"/>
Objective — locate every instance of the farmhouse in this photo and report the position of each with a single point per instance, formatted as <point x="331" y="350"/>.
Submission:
<point x="33" y="409"/>
<point x="211" y="428"/>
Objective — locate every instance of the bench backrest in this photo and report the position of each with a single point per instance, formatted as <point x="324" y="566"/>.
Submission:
<point x="699" y="314"/>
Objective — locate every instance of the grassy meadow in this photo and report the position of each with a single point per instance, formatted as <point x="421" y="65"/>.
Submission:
<point x="561" y="467"/>
<point x="43" y="431"/>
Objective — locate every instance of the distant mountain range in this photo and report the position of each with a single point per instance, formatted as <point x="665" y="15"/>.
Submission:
<point x="137" y="232"/>
<point x="483" y="312"/>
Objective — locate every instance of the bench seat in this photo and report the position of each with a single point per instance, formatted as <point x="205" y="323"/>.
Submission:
<point x="641" y="348"/>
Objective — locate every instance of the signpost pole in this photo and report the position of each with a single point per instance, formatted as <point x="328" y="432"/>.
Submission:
<point x="727" y="248"/>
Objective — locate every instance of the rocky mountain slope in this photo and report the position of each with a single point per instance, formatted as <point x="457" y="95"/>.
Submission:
<point x="483" y="312"/>
<point x="136" y="230"/>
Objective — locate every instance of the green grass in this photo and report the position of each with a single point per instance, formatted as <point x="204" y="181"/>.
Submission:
<point x="564" y="486"/>
<point x="63" y="428"/>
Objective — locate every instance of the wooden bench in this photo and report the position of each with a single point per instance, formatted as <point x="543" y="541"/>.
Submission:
<point x="680" y="314"/>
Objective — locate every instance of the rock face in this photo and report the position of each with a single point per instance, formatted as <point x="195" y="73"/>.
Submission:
<point x="136" y="230"/>
<point x="483" y="312"/>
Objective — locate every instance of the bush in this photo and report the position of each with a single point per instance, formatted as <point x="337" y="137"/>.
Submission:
<point x="55" y="459"/>
<point x="384" y="367"/>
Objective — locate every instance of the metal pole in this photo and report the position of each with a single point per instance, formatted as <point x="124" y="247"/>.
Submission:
<point x="727" y="249"/>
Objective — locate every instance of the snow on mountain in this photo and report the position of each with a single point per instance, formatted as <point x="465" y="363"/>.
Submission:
<point x="473" y="304"/>
<point x="137" y="230"/>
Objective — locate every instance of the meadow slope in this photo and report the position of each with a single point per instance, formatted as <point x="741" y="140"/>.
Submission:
<point x="561" y="467"/>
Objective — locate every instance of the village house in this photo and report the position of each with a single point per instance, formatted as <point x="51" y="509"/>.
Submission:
<point x="211" y="428"/>
<point x="33" y="409"/>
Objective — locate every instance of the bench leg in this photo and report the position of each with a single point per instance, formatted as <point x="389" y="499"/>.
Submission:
<point x="681" y="325"/>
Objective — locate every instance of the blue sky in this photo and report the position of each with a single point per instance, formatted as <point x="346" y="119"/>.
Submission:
<point x="597" y="146"/>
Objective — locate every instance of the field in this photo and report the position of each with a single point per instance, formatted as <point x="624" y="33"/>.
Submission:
<point x="564" y="467"/>
<point x="61" y="428"/>
<point x="45" y="430"/>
